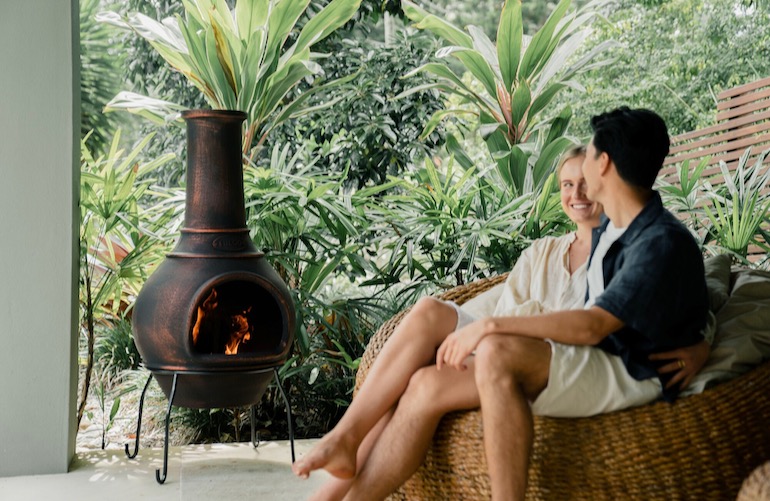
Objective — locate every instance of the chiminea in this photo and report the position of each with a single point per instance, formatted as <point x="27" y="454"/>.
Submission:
<point x="214" y="313"/>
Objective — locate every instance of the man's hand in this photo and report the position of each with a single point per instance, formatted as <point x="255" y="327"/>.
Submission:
<point x="459" y="345"/>
<point x="686" y="362"/>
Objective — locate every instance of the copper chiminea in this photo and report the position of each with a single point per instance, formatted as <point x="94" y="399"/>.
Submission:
<point x="214" y="321"/>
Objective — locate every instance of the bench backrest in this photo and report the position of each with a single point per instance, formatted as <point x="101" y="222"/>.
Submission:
<point x="742" y="121"/>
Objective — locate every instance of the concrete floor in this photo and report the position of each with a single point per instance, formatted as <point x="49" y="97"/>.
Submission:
<point x="195" y="472"/>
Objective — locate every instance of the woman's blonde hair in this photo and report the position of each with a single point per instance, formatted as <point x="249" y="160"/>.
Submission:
<point x="574" y="152"/>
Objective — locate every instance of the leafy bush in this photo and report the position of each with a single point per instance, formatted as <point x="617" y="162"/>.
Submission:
<point x="115" y="350"/>
<point x="674" y="57"/>
<point x="367" y="131"/>
<point x="100" y="66"/>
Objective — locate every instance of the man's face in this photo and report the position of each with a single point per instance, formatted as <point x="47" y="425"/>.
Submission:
<point x="591" y="169"/>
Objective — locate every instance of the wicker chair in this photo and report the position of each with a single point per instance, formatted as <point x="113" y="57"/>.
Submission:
<point x="700" y="448"/>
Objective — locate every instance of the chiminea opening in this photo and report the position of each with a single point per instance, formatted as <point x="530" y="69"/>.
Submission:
<point x="238" y="318"/>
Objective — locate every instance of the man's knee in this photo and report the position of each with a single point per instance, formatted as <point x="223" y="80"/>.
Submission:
<point x="502" y="359"/>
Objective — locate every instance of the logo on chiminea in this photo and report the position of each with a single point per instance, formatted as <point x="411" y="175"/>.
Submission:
<point x="231" y="243"/>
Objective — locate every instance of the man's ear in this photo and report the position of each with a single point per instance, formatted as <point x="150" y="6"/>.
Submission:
<point x="604" y="163"/>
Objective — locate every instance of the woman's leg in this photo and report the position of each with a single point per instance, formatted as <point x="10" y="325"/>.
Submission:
<point x="412" y="346"/>
<point x="404" y="442"/>
<point x="335" y="488"/>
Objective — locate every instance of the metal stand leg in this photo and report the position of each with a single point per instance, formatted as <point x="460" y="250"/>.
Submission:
<point x="158" y="477"/>
<point x="288" y="410"/>
<point x="132" y="455"/>
<point x="253" y="417"/>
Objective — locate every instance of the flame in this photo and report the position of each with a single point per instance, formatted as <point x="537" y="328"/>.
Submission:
<point x="215" y="322"/>
<point x="240" y="332"/>
<point x="209" y="305"/>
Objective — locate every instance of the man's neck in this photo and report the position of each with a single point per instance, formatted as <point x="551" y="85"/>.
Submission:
<point x="625" y="205"/>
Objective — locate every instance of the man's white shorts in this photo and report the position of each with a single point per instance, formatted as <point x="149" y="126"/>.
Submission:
<point x="584" y="381"/>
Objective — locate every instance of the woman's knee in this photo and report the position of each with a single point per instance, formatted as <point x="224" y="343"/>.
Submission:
<point x="432" y="315"/>
<point x="429" y="307"/>
<point x="424" y="391"/>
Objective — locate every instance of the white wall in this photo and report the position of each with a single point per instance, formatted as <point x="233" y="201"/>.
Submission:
<point x="38" y="234"/>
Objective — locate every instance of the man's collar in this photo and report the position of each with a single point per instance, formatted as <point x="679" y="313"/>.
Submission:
<point x="649" y="213"/>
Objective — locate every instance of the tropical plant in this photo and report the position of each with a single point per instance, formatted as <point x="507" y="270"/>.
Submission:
<point x="99" y="75"/>
<point x="315" y="233"/>
<point x="367" y="132"/>
<point x="451" y="226"/>
<point x="117" y="246"/>
<point x="115" y="350"/>
<point x="686" y="196"/>
<point x="239" y="60"/>
<point x="520" y="76"/>
<point x="739" y="207"/>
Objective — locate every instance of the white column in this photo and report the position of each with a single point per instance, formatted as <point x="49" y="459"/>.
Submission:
<point x="39" y="159"/>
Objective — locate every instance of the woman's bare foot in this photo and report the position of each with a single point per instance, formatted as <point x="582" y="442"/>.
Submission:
<point x="337" y="455"/>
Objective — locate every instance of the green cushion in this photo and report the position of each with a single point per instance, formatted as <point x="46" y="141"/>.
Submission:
<point x="717" y="280"/>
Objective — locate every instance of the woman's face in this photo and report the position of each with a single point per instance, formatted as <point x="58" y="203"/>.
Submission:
<point x="572" y="185"/>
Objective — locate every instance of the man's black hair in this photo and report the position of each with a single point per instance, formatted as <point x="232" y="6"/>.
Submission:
<point x="636" y="140"/>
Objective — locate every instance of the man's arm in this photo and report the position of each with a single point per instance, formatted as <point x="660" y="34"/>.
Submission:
<point x="581" y="327"/>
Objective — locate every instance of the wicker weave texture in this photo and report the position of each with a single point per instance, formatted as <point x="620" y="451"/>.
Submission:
<point x="700" y="448"/>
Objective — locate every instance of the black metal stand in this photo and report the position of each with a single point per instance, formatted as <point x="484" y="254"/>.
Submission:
<point x="132" y="455"/>
<point x="161" y="477"/>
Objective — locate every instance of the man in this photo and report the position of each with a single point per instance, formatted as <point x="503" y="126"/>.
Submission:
<point x="646" y="294"/>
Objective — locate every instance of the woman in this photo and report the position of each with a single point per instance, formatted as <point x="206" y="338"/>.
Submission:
<point x="365" y="450"/>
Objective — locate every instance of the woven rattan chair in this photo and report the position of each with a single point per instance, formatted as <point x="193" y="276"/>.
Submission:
<point x="700" y="448"/>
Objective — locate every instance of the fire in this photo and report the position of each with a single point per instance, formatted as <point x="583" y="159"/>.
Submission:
<point x="217" y="329"/>
<point x="240" y="332"/>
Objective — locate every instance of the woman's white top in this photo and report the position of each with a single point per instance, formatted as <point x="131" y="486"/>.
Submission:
<point x="540" y="282"/>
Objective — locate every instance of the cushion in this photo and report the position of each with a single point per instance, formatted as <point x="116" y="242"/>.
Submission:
<point x="742" y="339"/>
<point x="717" y="280"/>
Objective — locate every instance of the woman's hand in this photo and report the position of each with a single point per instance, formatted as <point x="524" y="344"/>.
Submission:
<point x="459" y="345"/>
<point x="686" y="362"/>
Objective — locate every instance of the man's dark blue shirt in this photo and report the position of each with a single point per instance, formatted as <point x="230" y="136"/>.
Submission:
<point x="654" y="282"/>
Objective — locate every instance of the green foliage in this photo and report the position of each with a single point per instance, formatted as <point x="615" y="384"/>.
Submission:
<point x="99" y="75"/>
<point x="486" y="13"/>
<point x="367" y="132"/>
<point x="239" y="60"/>
<point x="674" y="58"/>
<point x="451" y="226"/>
<point x="727" y="211"/>
<point x="520" y="76"/>
<point x="115" y="350"/>
<point x="309" y="227"/>
<point x="117" y="246"/>
<point x="740" y="206"/>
